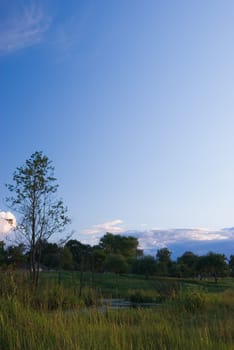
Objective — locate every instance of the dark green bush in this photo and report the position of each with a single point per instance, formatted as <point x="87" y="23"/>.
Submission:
<point x="192" y="301"/>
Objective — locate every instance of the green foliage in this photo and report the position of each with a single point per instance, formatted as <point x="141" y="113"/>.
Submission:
<point x="15" y="255"/>
<point x="168" y="289"/>
<point x="116" y="244"/>
<point x="13" y="283"/>
<point x="192" y="301"/>
<point x="144" y="266"/>
<point x="213" y="264"/>
<point x="170" y="326"/>
<point x="2" y="252"/>
<point x="98" y="256"/>
<point x="163" y="258"/>
<point x="144" y="296"/>
<point x="81" y="253"/>
<point x="186" y="264"/>
<point x="231" y="265"/>
<point x="65" y="257"/>
<point x="53" y="297"/>
<point x="115" y="263"/>
<point x="50" y="254"/>
<point x="41" y="213"/>
<point x="163" y="255"/>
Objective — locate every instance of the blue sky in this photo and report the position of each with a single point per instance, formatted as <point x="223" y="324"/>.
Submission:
<point x="133" y="102"/>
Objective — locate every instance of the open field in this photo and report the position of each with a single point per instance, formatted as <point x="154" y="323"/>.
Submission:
<point x="110" y="282"/>
<point x="191" y="314"/>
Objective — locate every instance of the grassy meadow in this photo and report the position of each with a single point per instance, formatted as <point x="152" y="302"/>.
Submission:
<point x="190" y="314"/>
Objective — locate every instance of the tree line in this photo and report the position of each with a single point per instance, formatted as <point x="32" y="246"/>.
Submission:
<point x="118" y="254"/>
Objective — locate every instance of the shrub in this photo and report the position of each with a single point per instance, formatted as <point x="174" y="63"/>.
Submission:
<point x="144" y="296"/>
<point x="168" y="290"/>
<point x="192" y="301"/>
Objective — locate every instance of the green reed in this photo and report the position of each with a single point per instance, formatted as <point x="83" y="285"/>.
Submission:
<point x="55" y="318"/>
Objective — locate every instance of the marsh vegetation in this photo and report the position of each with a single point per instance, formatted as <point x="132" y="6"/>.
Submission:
<point x="191" y="314"/>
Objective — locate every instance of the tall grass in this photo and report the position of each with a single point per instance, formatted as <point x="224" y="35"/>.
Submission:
<point x="175" y="324"/>
<point x="24" y="328"/>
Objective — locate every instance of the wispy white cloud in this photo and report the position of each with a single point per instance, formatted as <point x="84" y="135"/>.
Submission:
<point x="71" y="32"/>
<point x="93" y="234"/>
<point x="66" y="36"/>
<point x="7" y="223"/>
<point x="109" y="226"/>
<point x="23" y="26"/>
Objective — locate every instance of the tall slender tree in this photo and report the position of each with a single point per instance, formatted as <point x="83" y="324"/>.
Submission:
<point x="40" y="213"/>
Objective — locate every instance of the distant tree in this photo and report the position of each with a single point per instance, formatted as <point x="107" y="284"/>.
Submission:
<point x="65" y="258"/>
<point x="41" y="214"/>
<point x="163" y="255"/>
<point x="80" y="253"/>
<point x="50" y="255"/>
<point x="98" y="256"/>
<point x="2" y="253"/>
<point x="144" y="266"/>
<point x="231" y="265"/>
<point x="176" y="269"/>
<point x="163" y="259"/>
<point x="128" y="246"/>
<point x="115" y="263"/>
<point x="213" y="264"/>
<point x="15" y="255"/>
<point x="139" y="253"/>
<point x="117" y="244"/>
<point x="186" y="264"/>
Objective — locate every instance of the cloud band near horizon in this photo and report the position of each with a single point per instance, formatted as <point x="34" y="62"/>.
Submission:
<point x="157" y="238"/>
